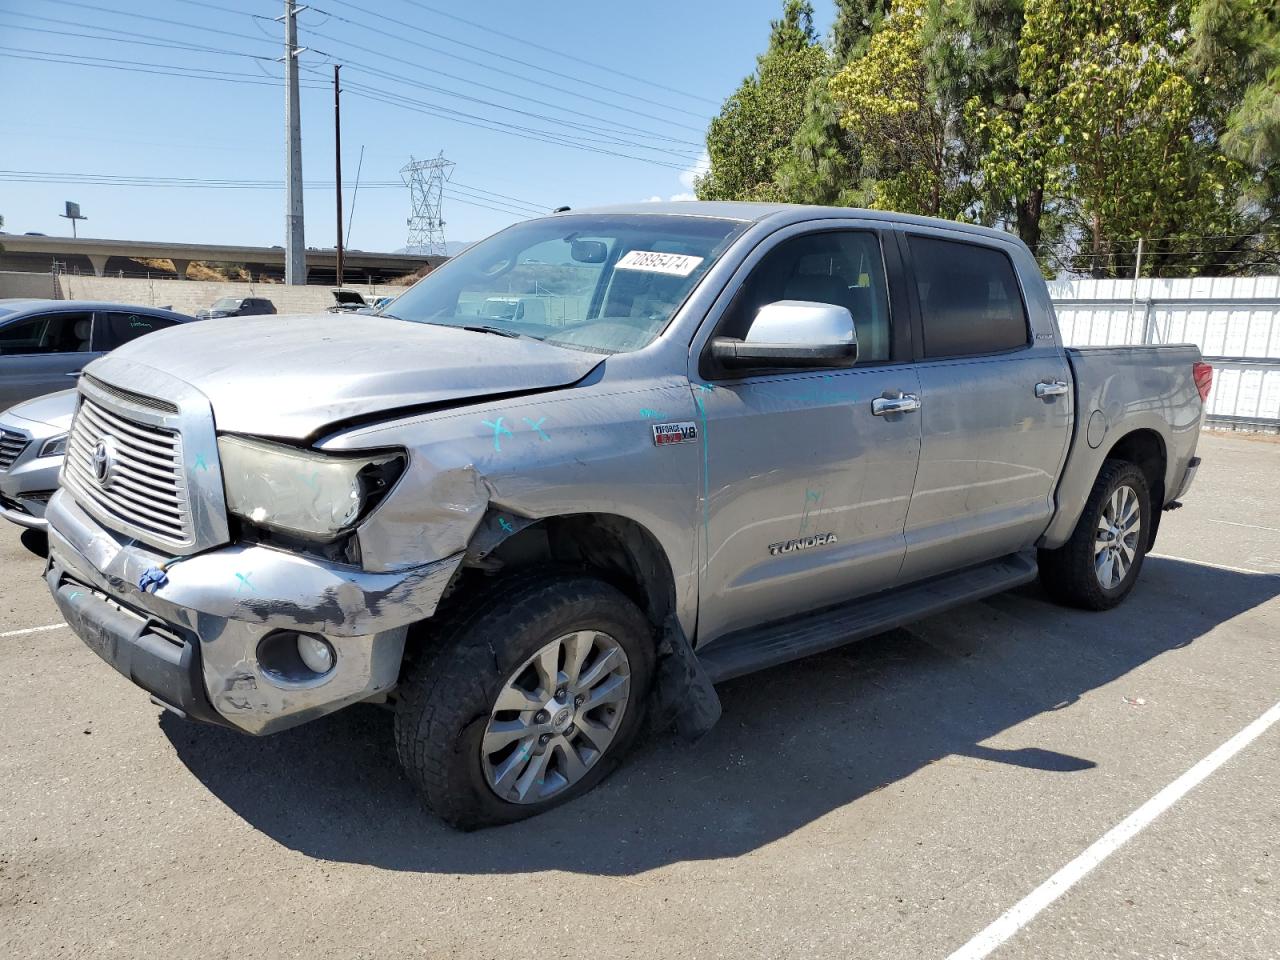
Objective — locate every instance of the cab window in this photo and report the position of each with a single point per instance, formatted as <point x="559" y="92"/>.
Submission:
<point x="841" y="267"/>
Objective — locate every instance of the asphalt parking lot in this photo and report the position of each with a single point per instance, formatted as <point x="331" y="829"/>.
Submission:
<point x="890" y="799"/>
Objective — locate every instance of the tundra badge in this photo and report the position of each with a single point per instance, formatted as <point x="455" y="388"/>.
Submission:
<point x="802" y="543"/>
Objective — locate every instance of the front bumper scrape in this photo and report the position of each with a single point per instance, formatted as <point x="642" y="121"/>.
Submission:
<point x="227" y="601"/>
<point x="161" y="660"/>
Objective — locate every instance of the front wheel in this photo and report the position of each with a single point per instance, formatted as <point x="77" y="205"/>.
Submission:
<point x="1099" y="565"/>
<point x="528" y="700"/>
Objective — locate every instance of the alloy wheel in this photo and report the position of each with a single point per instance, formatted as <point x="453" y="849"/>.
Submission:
<point x="1117" y="538"/>
<point x="555" y="716"/>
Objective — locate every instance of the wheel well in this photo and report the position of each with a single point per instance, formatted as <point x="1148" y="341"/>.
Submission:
<point x="616" y="549"/>
<point x="1145" y="450"/>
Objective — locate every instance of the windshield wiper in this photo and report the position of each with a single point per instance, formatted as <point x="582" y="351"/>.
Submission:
<point x="475" y="328"/>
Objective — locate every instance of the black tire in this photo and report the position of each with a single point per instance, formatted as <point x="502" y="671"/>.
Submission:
<point x="445" y="700"/>
<point x="1068" y="573"/>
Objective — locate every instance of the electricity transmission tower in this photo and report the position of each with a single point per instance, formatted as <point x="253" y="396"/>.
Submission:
<point x="425" y="180"/>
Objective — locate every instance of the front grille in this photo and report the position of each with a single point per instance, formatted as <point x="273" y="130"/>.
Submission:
<point x="145" y="489"/>
<point x="137" y="399"/>
<point x="12" y="444"/>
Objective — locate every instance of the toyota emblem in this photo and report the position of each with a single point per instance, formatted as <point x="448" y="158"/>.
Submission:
<point x="104" y="458"/>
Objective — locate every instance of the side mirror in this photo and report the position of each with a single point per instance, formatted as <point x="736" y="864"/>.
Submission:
<point x="792" y="333"/>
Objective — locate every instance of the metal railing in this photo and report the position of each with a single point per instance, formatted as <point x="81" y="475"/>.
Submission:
<point x="1239" y="335"/>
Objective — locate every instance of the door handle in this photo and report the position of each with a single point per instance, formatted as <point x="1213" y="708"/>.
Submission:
<point x="902" y="403"/>
<point x="1055" y="388"/>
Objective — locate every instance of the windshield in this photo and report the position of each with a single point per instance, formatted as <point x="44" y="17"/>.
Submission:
<point x="608" y="284"/>
<point x="225" y="303"/>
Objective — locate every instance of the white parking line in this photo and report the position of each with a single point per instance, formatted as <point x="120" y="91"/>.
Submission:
<point x="1207" y="563"/>
<point x="1025" y="910"/>
<point x="19" y="633"/>
<point x="1251" y="526"/>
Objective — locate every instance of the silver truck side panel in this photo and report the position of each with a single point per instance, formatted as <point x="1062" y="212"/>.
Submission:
<point x="1130" y="388"/>
<point x="991" y="448"/>
<point x="586" y="450"/>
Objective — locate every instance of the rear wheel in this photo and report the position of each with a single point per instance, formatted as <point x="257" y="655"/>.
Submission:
<point x="1099" y="565"/>
<point x="527" y="701"/>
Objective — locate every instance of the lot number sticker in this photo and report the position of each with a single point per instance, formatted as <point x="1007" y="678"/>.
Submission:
<point x="675" y="264"/>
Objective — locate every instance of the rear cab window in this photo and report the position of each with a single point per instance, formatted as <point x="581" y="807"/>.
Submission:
<point x="970" y="301"/>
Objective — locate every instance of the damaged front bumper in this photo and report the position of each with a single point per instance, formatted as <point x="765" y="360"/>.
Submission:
<point x="194" y="643"/>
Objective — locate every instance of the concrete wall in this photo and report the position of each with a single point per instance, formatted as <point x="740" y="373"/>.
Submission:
<point x="185" y="296"/>
<point x="37" y="285"/>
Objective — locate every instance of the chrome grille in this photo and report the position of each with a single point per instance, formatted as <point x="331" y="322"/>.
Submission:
<point x="128" y="396"/>
<point x="145" y="490"/>
<point x="12" y="444"/>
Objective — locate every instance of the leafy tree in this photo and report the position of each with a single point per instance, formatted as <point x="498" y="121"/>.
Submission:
<point x="856" y="21"/>
<point x="753" y="132"/>
<point x="1119" y="122"/>
<point x="905" y="131"/>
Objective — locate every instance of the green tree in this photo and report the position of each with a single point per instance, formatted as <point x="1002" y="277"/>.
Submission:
<point x="910" y="158"/>
<point x="754" y="130"/>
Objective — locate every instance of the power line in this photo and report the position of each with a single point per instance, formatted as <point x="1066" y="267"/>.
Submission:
<point x="168" y="70"/>
<point x="609" y="136"/>
<point x="527" y="133"/>
<point x="173" y="23"/>
<point x="560" y="53"/>
<point x="27" y="176"/>
<point x="489" y="53"/>
<point x="126" y="37"/>
<point x="486" y="86"/>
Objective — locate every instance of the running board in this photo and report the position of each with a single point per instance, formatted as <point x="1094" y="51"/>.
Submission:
<point x="759" y="647"/>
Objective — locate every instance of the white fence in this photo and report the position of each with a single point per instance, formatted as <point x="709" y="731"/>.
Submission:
<point x="1235" y="321"/>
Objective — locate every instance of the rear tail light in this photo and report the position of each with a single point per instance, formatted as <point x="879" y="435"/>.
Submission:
<point x="1202" y="373"/>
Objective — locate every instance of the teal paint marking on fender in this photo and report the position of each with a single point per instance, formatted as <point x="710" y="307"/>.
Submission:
<point x="498" y="430"/>
<point x="536" y="427"/>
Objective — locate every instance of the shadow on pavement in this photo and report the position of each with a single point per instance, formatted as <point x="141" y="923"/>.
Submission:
<point x="794" y="743"/>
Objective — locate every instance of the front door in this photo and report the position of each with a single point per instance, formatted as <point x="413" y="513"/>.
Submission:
<point x="991" y="444"/>
<point x="805" y="488"/>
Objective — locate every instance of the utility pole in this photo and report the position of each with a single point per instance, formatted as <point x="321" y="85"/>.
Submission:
<point x="295" y="253"/>
<point x="337" y="159"/>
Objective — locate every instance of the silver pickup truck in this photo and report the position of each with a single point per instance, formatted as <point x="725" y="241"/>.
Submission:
<point x="729" y="436"/>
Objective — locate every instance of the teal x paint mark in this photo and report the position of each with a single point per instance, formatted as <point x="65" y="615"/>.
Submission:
<point x="200" y="464"/>
<point x="498" y="430"/>
<point x="699" y="391"/>
<point x="505" y="524"/>
<point x="312" y="480"/>
<point x="74" y="594"/>
<point x="244" y="582"/>
<point x="652" y="414"/>
<point x="537" y="427"/>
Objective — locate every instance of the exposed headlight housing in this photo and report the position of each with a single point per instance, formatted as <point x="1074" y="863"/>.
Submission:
<point x="54" y="446"/>
<point x="313" y="495"/>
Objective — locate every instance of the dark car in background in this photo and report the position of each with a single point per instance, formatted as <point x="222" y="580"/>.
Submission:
<point x="45" y="343"/>
<point x="237" y="307"/>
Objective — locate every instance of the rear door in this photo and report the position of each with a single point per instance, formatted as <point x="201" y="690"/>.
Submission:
<point x="43" y="353"/>
<point x="805" y="489"/>
<point x="114" y="328"/>
<point x="992" y="440"/>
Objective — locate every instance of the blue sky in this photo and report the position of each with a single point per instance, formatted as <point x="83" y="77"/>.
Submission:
<point x="112" y="120"/>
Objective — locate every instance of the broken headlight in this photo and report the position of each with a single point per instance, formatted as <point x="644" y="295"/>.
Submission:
<point x="314" y="495"/>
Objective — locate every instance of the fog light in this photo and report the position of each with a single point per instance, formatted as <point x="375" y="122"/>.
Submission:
<point x="315" y="653"/>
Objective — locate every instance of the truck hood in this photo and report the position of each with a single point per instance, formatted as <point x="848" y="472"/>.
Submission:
<point x="291" y="377"/>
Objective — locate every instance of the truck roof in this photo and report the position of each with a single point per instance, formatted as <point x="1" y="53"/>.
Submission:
<point x="785" y="213"/>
